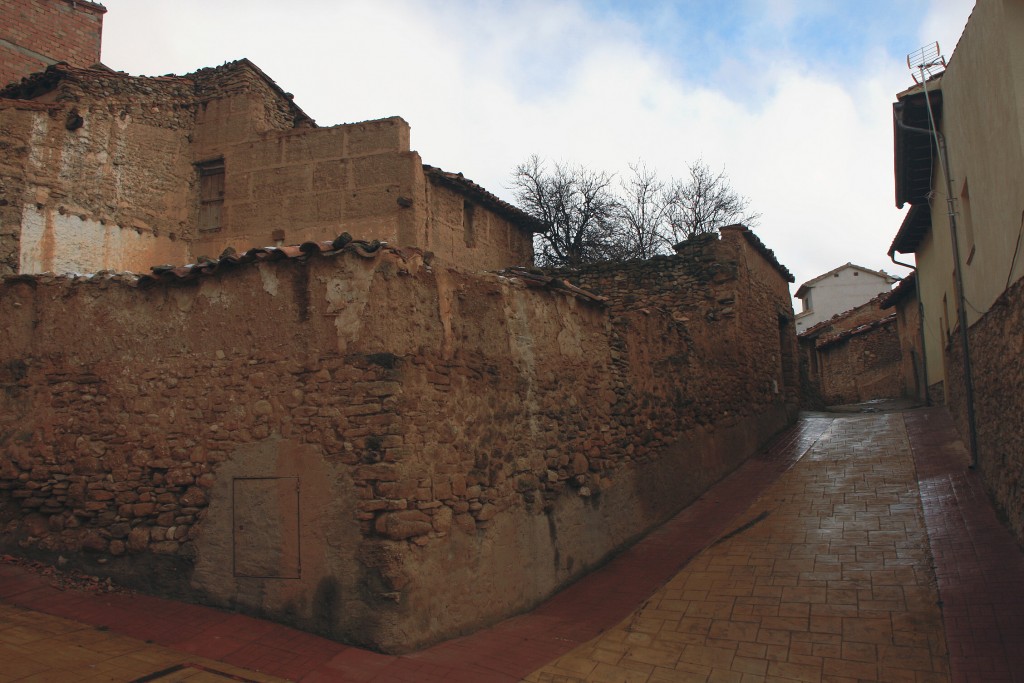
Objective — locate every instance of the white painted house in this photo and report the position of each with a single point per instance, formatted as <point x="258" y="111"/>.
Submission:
<point x="837" y="291"/>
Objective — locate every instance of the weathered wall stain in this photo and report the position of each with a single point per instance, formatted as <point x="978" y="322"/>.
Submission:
<point x="461" y="444"/>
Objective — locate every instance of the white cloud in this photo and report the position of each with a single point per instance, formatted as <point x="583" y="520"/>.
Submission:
<point x="485" y="85"/>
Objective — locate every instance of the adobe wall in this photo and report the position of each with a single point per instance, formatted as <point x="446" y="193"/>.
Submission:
<point x="37" y="33"/>
<point x="77" y="196"/>
<point x="997" y="364"/>
<point x="484" y="241"/>
<point x="381" y="450"/>
<point x="912" y="367"/>
<point x="102" y="175"/>
<point x="835" y="370"/>
<point x="862" y="366"/>
<point x="313" y="184"/>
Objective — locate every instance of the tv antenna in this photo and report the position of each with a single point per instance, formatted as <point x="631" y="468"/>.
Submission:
<point x="926" y="62"/>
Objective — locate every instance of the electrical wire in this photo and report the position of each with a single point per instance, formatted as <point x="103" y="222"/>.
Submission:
<point x="1016" y="251"/>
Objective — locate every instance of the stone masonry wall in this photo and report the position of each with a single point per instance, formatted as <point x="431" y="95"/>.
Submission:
<point x="862" y="366"/>
<point x="386" y="450"/>
<point x="37" y="33"/>
<point x="997" y="363"/>
<point x="836" y="371"/>
<point x="908" y="319"/>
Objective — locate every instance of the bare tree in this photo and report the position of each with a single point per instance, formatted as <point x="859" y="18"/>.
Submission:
<point x="705" y="202"/>
<point x="643" y="214"/>
<point x="590" y="220"/>
<point x="577" y="206"/>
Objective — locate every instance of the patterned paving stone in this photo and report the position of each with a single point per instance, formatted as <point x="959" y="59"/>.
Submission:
<point x="827" y="579"/>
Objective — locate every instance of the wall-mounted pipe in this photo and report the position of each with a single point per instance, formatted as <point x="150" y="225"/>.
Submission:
<point x="961" y="298"/>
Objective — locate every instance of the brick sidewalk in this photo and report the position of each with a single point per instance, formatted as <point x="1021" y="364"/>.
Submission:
<point x="819" y="573"/>
<point x="829" y="579"/>
<point x="980" y="568"/>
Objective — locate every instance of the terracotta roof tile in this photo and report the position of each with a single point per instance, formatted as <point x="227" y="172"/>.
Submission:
<point x="860" y="329"/>
<point x="537" y="280"/>
<point x="343" y="244"/>
<point x="465" y="186"/>
<point x="230" y="258"/>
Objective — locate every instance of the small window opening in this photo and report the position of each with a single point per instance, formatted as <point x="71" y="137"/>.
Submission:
<point x="211" y="194"/>
<point x="967" y="220"/>
<point x="468" y="223"/>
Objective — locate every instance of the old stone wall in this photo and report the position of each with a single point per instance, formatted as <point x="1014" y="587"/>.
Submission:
<point x="37" y="33"/>
<point x="838" y="367"/>
<point x="383" y="450"/>
<point x="862" y="366"/>
<point x="912" y="367"/>
<point x="723" y="296"/>
<point x="997" y="364"/>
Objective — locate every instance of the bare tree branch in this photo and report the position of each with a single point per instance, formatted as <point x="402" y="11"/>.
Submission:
<point x="589" y="221"/>
<point x="705" y="202"/>
<point x="576" y="204"/>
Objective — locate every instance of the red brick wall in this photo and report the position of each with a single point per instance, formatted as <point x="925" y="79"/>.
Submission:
<point x="35" y="33"/>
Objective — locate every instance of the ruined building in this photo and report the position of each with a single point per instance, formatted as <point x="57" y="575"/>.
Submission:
<point x="366" y="441"/>
<point x="114" y="172"/>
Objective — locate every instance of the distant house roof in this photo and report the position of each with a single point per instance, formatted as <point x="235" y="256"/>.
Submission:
<point x="825" y="342"/>
<point x="466" y="187"/>
<point x="825" y="326"/>
<point x="903" y="290"/>
<point x="800" y="293"/>
<point x="914" y="151"/>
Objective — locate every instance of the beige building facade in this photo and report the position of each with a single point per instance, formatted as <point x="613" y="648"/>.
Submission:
<point x="978" y="105"/>
<point x="959" y="163"/>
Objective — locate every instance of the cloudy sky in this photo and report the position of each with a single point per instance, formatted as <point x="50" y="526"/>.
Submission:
<point x="792" y="98"/>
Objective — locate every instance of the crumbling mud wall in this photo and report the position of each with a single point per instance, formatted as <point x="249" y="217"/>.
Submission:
<point x="106" y="171"/>
<point x="372" y="445"/>
<point x="855" y="356"/>
<point x="96" y="173"/>
<point x="862" y="364"/>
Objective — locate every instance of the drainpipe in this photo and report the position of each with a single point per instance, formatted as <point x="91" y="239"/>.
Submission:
<point x="961" y="299"/>
<point x="920" y="323"/>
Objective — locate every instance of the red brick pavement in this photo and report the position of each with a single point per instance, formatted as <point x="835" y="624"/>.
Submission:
<point x="507" y="651"/>
<point x="978" y="564"/>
